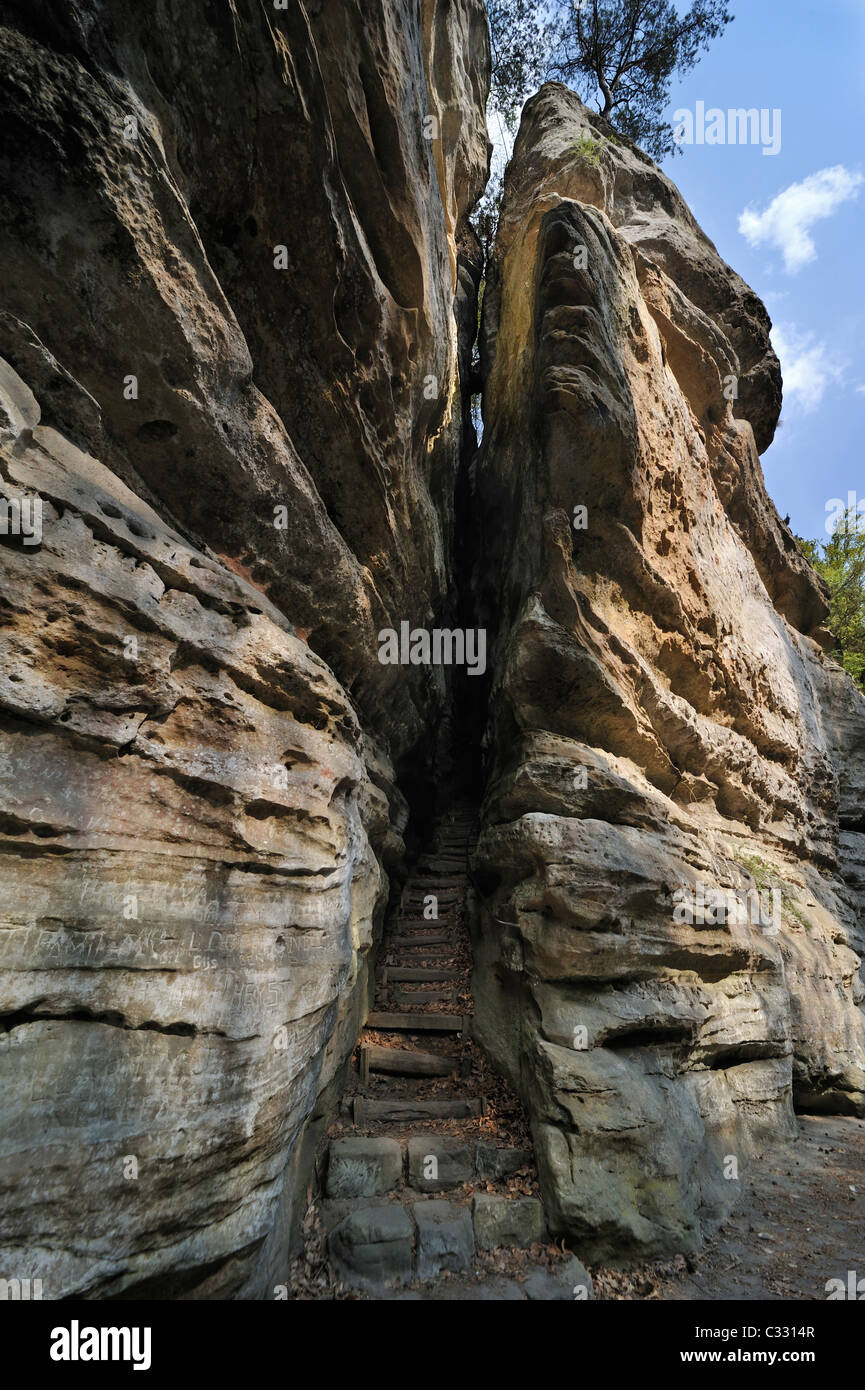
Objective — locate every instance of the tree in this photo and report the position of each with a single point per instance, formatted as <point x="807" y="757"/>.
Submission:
<point x="485" y="218"/>
<point x="520" y="38"/>
<point x="624" y="54"/>
<point x="841" y="562"/>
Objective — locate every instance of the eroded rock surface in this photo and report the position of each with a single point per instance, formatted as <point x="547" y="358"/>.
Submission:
<point x="238" y="310"/>
<point x="231" y="375"/>
<point x="664" y="719"/>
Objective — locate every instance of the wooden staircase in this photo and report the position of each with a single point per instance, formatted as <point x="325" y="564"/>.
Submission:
<point x="418" y="1185"/>
<point x="423" y="988"/>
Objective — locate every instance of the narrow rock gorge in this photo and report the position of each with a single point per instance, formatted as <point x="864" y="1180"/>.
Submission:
<point x="239" y="311"/>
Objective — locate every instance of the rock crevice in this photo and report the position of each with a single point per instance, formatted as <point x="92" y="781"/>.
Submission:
<point x="236" y="335"/>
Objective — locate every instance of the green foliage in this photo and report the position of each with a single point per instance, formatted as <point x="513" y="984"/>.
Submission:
<point x="762" y="873"/>
<point x="520" y="43"/>
<point x="485" y="218"/>
<point x="767" y="878"/>
<point x="841" y="562"/>
<point x="622" y="54"/>
<point x="588" y="149"/>
<point x="625" y="53"/>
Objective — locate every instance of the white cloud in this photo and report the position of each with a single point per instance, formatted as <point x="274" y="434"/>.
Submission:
<point x="807" y="367"/>
<point x="787" y="221"/>
<point x="860" y="390"/>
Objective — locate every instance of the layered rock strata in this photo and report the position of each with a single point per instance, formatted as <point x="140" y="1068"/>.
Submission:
<point x="230" y="383"/>
<point x="668" y="742"/>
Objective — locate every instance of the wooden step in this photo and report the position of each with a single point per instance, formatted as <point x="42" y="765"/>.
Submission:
<point x="403" y="1111"/>
<point x="419" y="974"/>
<point x="418" y="1023"/>
<point x="434" y="883"/>
<point x="417" y="919"/>
<point x="399" y="943"/>
<point x="403" y="1061"/>
<point x="433" y="888"/>
<point x="435" y="957"/>
<point x="410" y="998"/>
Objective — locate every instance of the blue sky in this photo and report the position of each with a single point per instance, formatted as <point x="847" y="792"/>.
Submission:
<point x="808" y="60"/>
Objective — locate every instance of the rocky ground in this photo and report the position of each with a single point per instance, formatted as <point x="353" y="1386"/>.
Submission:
<point x="800" y="1224"/>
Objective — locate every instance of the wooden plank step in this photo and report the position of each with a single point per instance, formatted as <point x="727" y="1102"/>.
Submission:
<point x="436" y="957"/>
<point x="436" y="883"/>
<point x="433" y="887"/>
<point x="413" y="997"/>
<point x="417" y="919"/>
<point x="403" y="1111"/>
<point x="419" y="975"/>
<point x="404" y="1061"/>
<point x="418" y="1023"/>
<point x="415" y="906"/>
<point x="398" y="943"/>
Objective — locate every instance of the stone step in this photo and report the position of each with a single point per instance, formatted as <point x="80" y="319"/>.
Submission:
<point x="381" y="1246"/>
<point x="418" y="1023"/>
<point x="406" y="1111"/>
<point x="386" y="1245"/>
<point x="436" y="1163"/>
<point x="403" y="1061"/>
<point x="419" y="974"/>
<point x="514" y="1221"/>
<point x="363" y="1167"/>
<point x="372" y="1167"/>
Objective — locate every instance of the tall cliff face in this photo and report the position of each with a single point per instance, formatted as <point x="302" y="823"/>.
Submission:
<point x="231" y="377"/>
<point x="237" y="315"/>
<point x="664" y="724"/>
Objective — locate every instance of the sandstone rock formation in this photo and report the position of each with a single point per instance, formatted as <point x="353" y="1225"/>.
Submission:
<point x="239" y="305"/>
<point x="663" y="718"/>
<point x="230" y="374"/>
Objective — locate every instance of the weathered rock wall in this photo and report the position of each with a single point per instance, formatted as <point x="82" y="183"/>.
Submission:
<point x="663" y="714"/>
<point x="238" y="309"/>
<point x="230" y="374"/>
